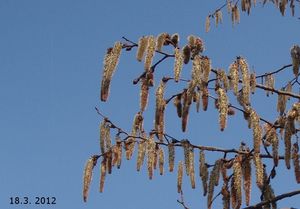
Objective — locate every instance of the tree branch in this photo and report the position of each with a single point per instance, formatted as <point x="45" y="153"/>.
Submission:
<point x="275" y="199"/>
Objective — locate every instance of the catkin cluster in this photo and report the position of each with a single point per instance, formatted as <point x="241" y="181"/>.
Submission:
<point x="111" y="60"/>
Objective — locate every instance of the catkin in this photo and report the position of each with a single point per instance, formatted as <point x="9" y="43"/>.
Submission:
<point x="150" y="155"/>
<point x="175" y="39"/>
<point x="186" y="54"/>
<point x="205" y="98"/>
<point x="259" y="170"/>
<point x="296" y="162"/>
<point x="150" y="50"/>
<point x="205" y="68"/>
<point x="197" y="70"/>
<point x="226" y="196"/>
<point x="142" y="46"/>
<point x="109" y="161"/>
<point x="129" y="147"/>
<point x="178" y="64"/>
<point x="222" y="78"/>
<point x="289" y="130"/>
<point x="192" y="168"/>
<point x="237" y="173"/>
<point x="171" y="155"/>
<point x="233" y="196"/>
<point x="234" y="77"/>
<point x="289" y="89"/>
<point x="186" y="151"/>
<point x="118" y="151"/>
<point x="213" y="179"/>
<point x="196" y="99"/>
<point x="161" y="38"/>
<point x="87" y="176"/>
<point x="179" y="176"/>
<point x="102" y="137"/>
<point x="178" y="105"/>
<point x="219" y="17"/>
<point x="159" y="110"/>
<point x="246" y="172"/>
<point x="295" y="55"/>
<point x="141" y="154"/>
<point x="161" y="161"/>
<point x="223" y="108"/>
<point x="269" y="83"/>
<point x="252" y="82"/>
<point x="281" y="103"/>
<point x="203" y="171"/>
<point x="245" y="80"/>
<point x="102" y="174"/>
<point x="144" y="94"/>
<point x="110" y="63"/>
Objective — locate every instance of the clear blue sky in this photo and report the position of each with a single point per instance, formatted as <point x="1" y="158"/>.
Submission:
<point x="51" y="56"/>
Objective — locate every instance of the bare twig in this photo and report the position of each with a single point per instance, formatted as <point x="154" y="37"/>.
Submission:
<point x="275" y="199"/>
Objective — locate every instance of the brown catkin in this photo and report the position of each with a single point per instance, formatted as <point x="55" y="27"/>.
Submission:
<point x="245" y="80"/>
<point x="171" y="155"/>
<point x="141" y="154"/>
<point x="237" y="173"/>
<point x="205" y="98"/>
<point x="109" y="162"/>
<point x="259" y="170"/>
<point x="196" y="98"/>
<point x="192" y="168"/>
<point x="281" y="103"/>
<point x="144" y="94"/>
<point x="246" y="172"/>
<point x="102" y="174"/>
<point x="161" y="38"/>
<point x="252" y="82"/>
<point x="226" y="196"/>
<point x="150" y="52"/>
<point x="289" y="89"/>
<point x="150" y="155"/>
<point x="197" y="70"/>
<point x="213" y="179"/>
<point x="161" y="160"/>
<point x="295" y="55"/>
<point x="107" y="137"/>
<point x="102" y="137"/>
<point x="186" y="151"/>
<point x="203" y="171"/>
<point x="179" y="176"/>
<point x="142" y="46"/>
<point x="205" y="68"/>
<point x="223" y="108"/>
<point x="186" y="54"/>
<point x="119" y="151"/>
<point x="129" y="147"/>
<point x="234" y="77"/>
<point x="159" y="110"/>
<point x="178" y="64"/>
<point x="233" y="196"/>
<point x="222" y="77"/>
<point x="87" y="176"/>
<point x="178" y="105"/>
<point x="296" y="162"/>
<point x="110" y="64"/>
<point x="289" y="129"/>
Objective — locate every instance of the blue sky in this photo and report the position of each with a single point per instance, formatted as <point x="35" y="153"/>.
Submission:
<point x="51" y="56"/>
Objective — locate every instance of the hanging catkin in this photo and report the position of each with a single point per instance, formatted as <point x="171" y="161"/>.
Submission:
<point x="111" y="60"/>
<point x="161" y="160"/>
<point x="223" y="108"/>
<point x="246" y="172"/>
<point x="296" y="162"/>
<point x="141" y="154"/>
<point x="150" y="51"/>
<point x="289" y="131"/>
<point x="178" y="105"/>
<point x="207" y="24"/>
<point x="237" y="173"/>
<point x="150" y="155"/>
<point x="142" y="46"/>
<point x="252" y="82"/>
<point x="178" y="63"/>
<point x="295" y="54"/>
<point x="203" y="171"/>
<point x="102" y="174"/>
<point x="87" y="176"/>
<point x="259" y="170"/>
<point x="179" y="176"/>
<point x="171" y="155"/>
<point x="186" y="151"/>
<point x="159" y="110"/>
<point x="144" y="94"/>
<point x="192" y="168"/>
<point x="161" y="38"/>
<point x="234" y="77"/>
